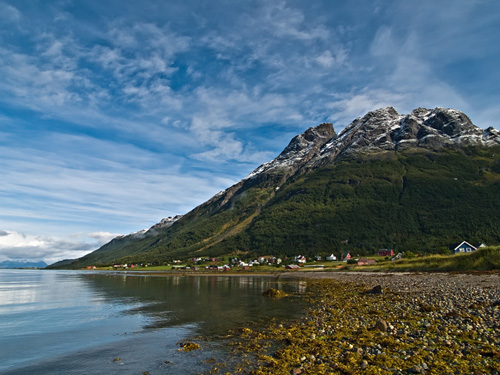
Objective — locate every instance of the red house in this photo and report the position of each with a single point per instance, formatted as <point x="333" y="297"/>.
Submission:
<point x="366" y="261"/>
<point x="385" y="253"/>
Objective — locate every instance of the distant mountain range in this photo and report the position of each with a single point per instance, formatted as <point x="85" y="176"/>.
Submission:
<point x="16" y="264"/>
<point x="416" y="182"/>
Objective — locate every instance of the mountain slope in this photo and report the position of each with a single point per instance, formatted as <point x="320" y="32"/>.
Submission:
<point x="419" y="201"/>
<point x="411" y="182"/>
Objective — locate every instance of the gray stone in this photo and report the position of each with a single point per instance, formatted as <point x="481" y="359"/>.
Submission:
<point x="418" y="369"/>
<point x="375" y="290"/>
<point x="381" y="325"/>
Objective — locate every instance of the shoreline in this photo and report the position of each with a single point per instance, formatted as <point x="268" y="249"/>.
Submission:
<point x="420" y="281"/>
<point x="325" y="274"/>
<point x="390" y="324"/>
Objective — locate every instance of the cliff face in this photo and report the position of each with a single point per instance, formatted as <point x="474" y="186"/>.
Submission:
<point x="385" y="180"/>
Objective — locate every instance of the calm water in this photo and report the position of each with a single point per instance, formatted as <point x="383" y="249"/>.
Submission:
<point x="71" y="322"/>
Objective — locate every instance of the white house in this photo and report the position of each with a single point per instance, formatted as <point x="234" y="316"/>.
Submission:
<point x="300" y="259"/>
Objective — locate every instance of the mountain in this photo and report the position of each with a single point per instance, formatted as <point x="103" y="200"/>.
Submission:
<point x="17" y="264"/>
<point x="409" y="182"/>
<point x="65" y="263"/>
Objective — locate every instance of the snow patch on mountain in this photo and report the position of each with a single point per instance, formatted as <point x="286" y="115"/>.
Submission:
<point x="300" y="149"/>
<point x="164" y="223"/>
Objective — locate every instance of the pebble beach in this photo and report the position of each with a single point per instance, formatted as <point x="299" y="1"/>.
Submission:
<point x="381" y="323"/>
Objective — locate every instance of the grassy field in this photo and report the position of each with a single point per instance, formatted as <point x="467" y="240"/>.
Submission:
<point x="485" y="259"/>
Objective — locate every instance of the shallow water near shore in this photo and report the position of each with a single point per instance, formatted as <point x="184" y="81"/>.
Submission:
<point x="77" y="322"/>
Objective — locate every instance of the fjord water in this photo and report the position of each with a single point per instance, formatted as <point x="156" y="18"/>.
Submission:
<point x="81" y="322"/>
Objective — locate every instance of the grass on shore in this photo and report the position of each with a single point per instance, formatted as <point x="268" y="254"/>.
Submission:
<point x="485" y="259"/>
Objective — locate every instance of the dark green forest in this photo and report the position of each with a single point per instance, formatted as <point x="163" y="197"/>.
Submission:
<point x="418" y="201"/>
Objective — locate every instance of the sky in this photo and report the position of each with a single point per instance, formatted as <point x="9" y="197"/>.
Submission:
<point x="117" y="113"/>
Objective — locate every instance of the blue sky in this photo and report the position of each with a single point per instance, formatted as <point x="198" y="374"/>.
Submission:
<point x="115" y="114"/>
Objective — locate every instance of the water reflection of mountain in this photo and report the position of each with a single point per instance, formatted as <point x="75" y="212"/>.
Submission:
<point x="212" y="303"/>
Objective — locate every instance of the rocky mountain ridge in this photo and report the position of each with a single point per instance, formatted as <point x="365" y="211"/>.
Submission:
<point x="383" y="130"/>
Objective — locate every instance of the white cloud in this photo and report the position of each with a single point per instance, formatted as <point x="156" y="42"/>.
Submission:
<point x="284" y="21"/>
<point x="138" y="53"/>
<point x="21" y="246"/>
<point x="133" y="66"/>
<point x="383" y="43"/>
<point x="9" y="13"/>
<point x="350" y="107"/>
<point x="54" y="77"/>
<point x="98" y="186"/>
<point x="401" y="78"/>
<point x="327" y="60"/>
<point x="103" y="237"/>
<point x="219" y="115"/>
<point x="59" y="192"/>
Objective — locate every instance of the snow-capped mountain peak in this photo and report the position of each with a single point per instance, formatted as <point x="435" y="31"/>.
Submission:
<point x="386" y="130"/>
<point x="300" y="149"/>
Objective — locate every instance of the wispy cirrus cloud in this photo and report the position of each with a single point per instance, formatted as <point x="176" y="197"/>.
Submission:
<point x="284" y="21"/>
<point x="77" y="192"/>
<point x="139" y="56"/>
<point x="135" y="65"/>
<point x="9" y="13"/>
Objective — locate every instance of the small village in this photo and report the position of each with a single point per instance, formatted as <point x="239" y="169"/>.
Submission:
<point x="299" y="262"/>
